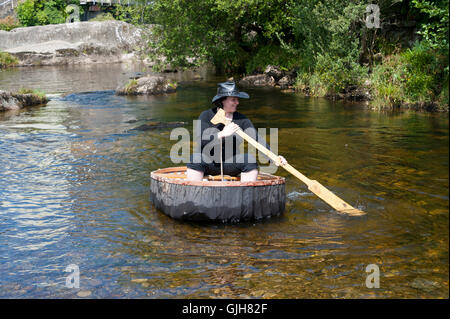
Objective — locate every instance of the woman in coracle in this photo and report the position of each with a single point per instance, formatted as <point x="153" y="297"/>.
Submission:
<point x="221" y="137"/>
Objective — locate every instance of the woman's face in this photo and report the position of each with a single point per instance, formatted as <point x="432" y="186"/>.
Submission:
<point x="230" y="104"/>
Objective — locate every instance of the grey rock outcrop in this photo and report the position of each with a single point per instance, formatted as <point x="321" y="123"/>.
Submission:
<point x="272" y="76"/>
<point x="274" y="71"/>
<point x="257" y="80"/>
<point x="286" y="82"/>
<point x="15" y="101"/>
<point x="73" y="43"/>
<point x="147" y="85"/>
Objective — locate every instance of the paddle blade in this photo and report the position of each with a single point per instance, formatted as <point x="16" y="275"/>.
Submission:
<point x="334" y="201"/>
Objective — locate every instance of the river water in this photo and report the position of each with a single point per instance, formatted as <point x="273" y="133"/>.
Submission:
<point x="75" y="186"/>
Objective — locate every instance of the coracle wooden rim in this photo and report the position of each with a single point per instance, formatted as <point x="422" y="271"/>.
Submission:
<point x="168" y="175"/>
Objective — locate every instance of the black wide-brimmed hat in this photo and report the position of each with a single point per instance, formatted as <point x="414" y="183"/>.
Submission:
<point x="228" y="88"/>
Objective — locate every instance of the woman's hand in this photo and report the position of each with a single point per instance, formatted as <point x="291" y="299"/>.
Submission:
<point x="281" y="161"/>
<point x="228" y="130"/>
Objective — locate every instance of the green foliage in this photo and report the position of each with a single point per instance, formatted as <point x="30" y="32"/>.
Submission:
<point x="105" y="16"/>
<point x="387" y="82"/>
<point x="35" y="92"/>
<point x="337" y="73"/>
<point x="331" y="76"/>
<point x="7" y="60"/>
<point x="327" y="27"/>
<point x="51" y="13"/>
<point x="131" y="86"/>
<point x="443" y="99"/>
<point x="226" y="33"/>
<point x="40" y="12"/>
<point x="327" y="37"/>
<point x="8" y="23"/>
<point x="26" y="13"/>
<point x="434" y="30"/>
<point x="415" y="76"/>
<point x="137" y="14"/>
<point x="275" y="55"/>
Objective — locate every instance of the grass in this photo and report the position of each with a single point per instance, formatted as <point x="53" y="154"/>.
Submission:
<point x="35" y="92"/>
<point x="9" y="23"/>
<point x="417" y="78"/>
<point x="131" y="86"/>
<point x="7" y="60"/>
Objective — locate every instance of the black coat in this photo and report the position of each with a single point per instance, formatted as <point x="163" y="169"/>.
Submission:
<point x="230" y="144"/>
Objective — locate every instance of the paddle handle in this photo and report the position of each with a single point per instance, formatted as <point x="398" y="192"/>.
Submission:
<point x="260" y="147"/>
<point x="273" y="157"/>
<point x="314" y="186"/>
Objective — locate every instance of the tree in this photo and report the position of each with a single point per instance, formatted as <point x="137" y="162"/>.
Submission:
<point x="226" y="33"/>
<point x="435" y="28"/>
<point x="40" y="12"/>
<point x="139" y="13"/>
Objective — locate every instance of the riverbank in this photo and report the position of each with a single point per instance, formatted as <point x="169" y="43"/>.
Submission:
<point x="387" y="87"/>
<point x="422" y="87"/>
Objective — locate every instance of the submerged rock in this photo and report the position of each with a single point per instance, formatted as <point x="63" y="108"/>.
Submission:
<point x="84" y="293"/>
<point x="15" y="101"/>
<point x="147" y="85"/>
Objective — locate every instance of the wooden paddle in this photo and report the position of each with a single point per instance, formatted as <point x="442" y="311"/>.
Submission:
<point x="314" y="186"/>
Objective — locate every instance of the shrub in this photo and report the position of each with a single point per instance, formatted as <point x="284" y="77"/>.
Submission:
<point x="35" y="92"/>
<point x="26" y="13"/>
<point x="40" y="12"/>
<point x="131" y="86"/>
<point x="443" y="99"/>
<point x="415" y="76"/>
<point x="275" y="55"/>
<point x="424" y="73"/>
<point x="9" y="23"/>
<point x="7" y="60"/>
<point x="103" y="17"/>
<point x="332" y="75"/>
<point x="338" y="73"/>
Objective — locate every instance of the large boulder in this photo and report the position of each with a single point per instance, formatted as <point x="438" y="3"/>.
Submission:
<point x="73" y="43"/>
<point x="147" y="85"/>
<point x="257" y="80"/>
<point x="15" y="101"/>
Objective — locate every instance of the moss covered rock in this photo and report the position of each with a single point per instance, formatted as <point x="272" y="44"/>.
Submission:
<point x="15" y="101"/>
<point x="147" y="85"/>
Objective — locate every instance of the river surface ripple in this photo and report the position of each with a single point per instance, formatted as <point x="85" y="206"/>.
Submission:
<point x="74" y="189"/>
